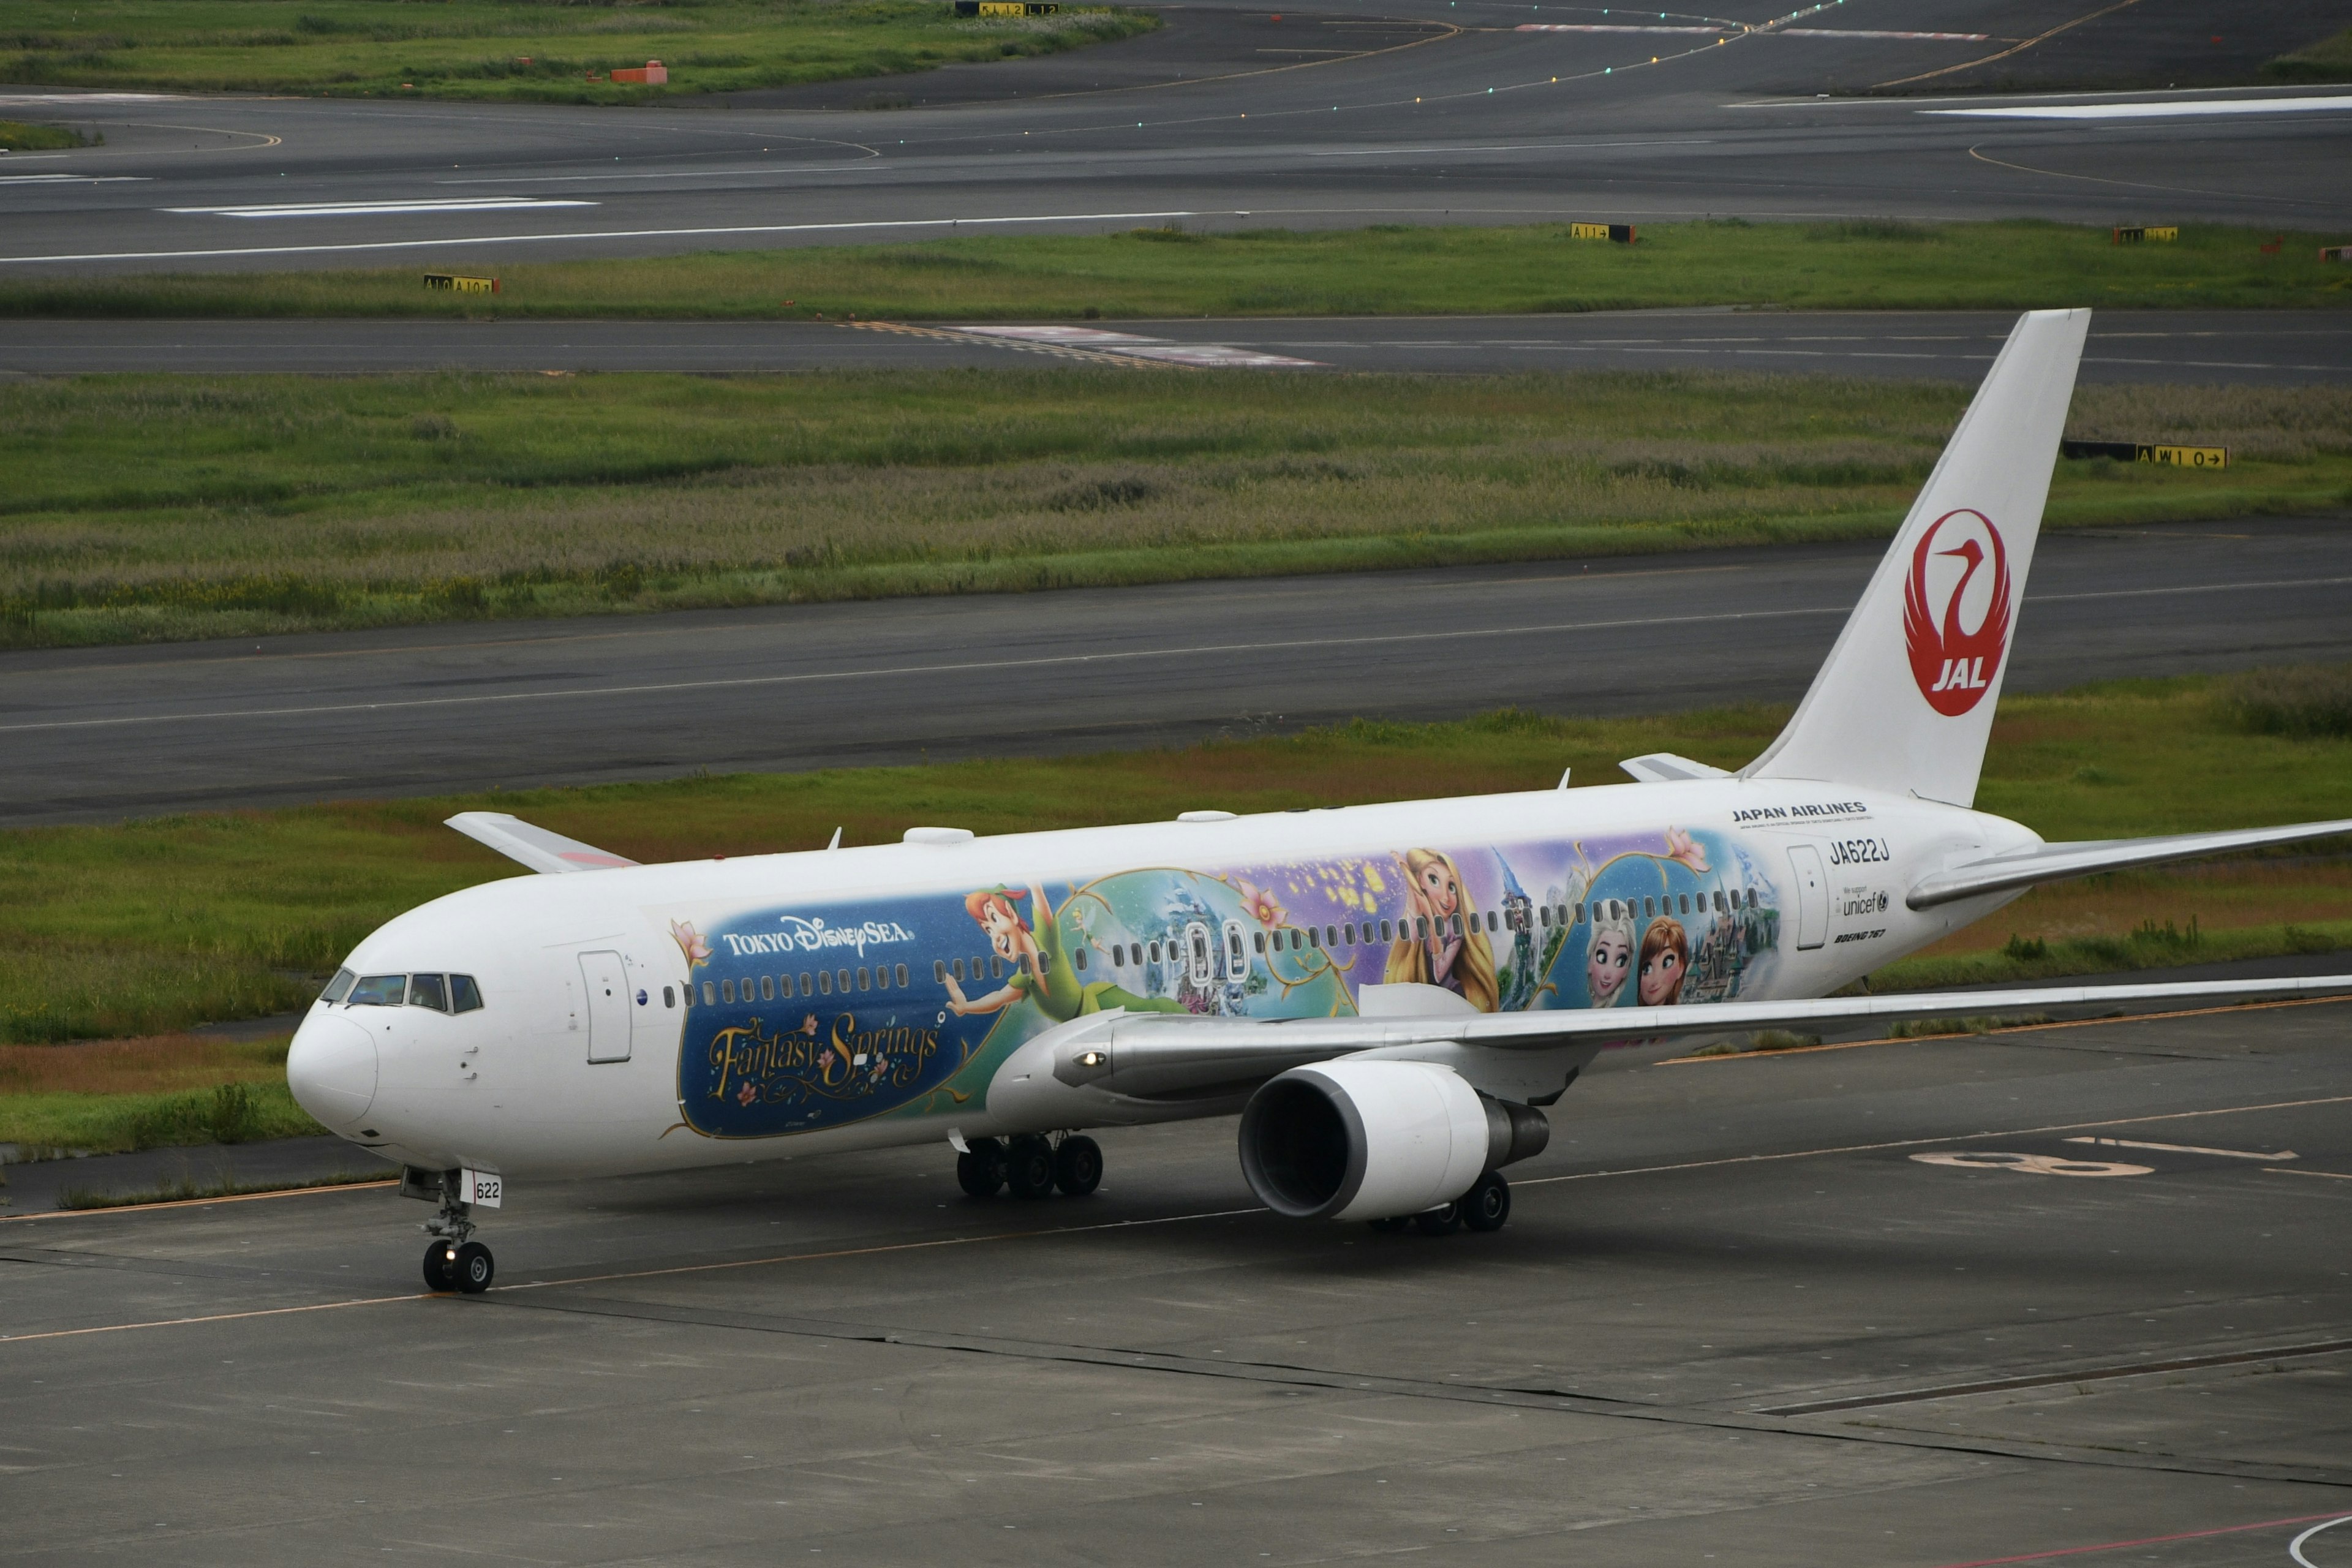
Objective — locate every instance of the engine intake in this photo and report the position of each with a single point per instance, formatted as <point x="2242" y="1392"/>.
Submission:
<point x="1368" y="1139"/>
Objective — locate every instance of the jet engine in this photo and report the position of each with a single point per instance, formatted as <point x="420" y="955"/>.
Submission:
<point x="1374" y="1140"/>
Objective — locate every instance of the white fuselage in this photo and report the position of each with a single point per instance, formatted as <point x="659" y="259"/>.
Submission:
<point x="726" y="1010"/>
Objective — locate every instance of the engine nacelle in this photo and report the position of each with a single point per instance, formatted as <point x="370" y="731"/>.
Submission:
<point x="1350" y="1140"/>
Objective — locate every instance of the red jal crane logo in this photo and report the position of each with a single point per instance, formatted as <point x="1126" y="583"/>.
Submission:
<point x="1955" y="665"/>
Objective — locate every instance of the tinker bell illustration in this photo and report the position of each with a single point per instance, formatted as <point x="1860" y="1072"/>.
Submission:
<point x="1461" y="963"/>
<point x="1041" y="969"/>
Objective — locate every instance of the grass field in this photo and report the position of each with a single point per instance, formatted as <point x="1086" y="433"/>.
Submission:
<point x="158" y="506"/>
<point x="2330" y="60"/>
<point x="15" y="136"/>
<point x="1389" y="270"/>
<point x="512" y="49"/>
<point x="146" y="927"/>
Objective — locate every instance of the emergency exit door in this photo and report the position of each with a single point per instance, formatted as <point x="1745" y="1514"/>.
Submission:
<point x="1812" y="896"/>
<point x="605" y="980"/>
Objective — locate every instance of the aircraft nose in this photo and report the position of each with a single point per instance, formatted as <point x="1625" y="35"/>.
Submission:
<point x="331" y="1067"/>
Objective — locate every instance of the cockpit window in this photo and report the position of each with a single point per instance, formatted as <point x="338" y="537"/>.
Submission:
<point x="428" y="991"/>
<point x="465" y="997"/>
<point x="336" y="988"/>
<point x="378" y="990"/>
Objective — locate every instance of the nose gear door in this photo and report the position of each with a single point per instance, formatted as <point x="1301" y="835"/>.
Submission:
<point x="606" y="982"/>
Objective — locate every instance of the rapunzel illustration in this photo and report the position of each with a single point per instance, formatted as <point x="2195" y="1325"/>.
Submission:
<point x="1041" y="970"/>
<point x="1463" y="961"/>
<point x="1665" y="959"/>
<point x="1610" y="964"/>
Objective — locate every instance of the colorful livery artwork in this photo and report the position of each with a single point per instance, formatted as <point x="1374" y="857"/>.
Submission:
<point x="807" y="1018"/>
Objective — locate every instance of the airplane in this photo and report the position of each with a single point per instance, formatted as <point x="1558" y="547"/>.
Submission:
<point x="1390" y="996"/>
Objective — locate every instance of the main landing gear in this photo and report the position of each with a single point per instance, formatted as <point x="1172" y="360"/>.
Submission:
<point x="1032" y="1164"/>
<point x="455" y="1261"/>
<point x="1484" y="1207"/>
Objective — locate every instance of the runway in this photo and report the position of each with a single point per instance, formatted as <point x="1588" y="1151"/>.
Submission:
<point x="2256" y="347"/>
<point x="1766" y="1310"/>
<point x="100" y="734"/>
<point x="1226" y="119"/>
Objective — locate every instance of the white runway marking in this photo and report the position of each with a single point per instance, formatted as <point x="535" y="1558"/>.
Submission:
<point x="73" y="179"/>
<point x="2031" y="1164"/>
<point x="383" y="209"/>
<point x="2169" y="110"/>
<point x="1216" y="355"/>
<point x="2183" y="1149"/>
<point x="933" y="223"/>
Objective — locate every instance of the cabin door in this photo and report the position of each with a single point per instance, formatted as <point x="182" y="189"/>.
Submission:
<point x="1812" y="896"/>
<point x="605" y="981"/>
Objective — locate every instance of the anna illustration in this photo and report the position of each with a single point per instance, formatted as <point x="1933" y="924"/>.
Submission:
<point x="1665" y="959"/>
<point x="1460" y="959"/>
<point x="1610" y="964"/>
<point x="1041" y="969"/>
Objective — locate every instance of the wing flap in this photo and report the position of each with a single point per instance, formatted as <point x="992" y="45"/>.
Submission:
<point x="550" y="854"/>
<point x="2056" y="862"/>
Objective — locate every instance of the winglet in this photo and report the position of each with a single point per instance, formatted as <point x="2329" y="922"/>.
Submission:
<point x="550" y="854"/>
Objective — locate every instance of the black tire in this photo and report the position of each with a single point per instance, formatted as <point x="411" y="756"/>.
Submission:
<point x="1488" y="1205"/>
<point x="981" y="1173"/>
<point x="1395" y="1225"/>
<point x="1029" y="1167"/>
<point x="1440" y="1222"/>
<point x="440" y="1267"/>
<point x="474" y="1269"/>
<point x="1078" y="1165"/>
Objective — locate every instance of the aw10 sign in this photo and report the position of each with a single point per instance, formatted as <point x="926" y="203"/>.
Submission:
<point x="1956" y="610"/>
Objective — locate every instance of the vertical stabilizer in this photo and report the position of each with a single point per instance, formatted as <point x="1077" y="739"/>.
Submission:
<point x="1905" y="701"/>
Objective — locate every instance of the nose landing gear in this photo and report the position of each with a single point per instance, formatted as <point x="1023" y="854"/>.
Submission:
<point x="454" y="1261"/>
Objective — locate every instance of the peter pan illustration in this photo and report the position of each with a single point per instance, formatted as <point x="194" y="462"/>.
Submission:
<point x="1040" y="966"/>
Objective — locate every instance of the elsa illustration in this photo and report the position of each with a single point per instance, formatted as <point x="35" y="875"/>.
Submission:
<point x="1610" y="964"/>
<point x="1041" y="969"/>
<point x="1459" y="959"/>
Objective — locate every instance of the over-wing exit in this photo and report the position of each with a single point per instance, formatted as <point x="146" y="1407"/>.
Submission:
<point x="1393" y="997"/>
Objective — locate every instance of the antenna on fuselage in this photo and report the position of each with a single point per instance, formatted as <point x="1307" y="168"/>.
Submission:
<point x="837" y="839"/>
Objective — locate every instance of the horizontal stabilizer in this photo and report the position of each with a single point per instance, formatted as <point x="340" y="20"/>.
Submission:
<point x="2056" y="862"/>
<point x="548" y="853"/>
<point x="1156" y="1053"/>
<point x="1665" y="767"/>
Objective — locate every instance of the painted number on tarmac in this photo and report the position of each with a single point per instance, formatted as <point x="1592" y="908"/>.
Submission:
<point x="2032" y="1165"/>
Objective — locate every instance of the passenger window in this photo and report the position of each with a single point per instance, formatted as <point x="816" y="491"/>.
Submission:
<point x="902" y="975"/>
<point x="841" y="980"/>
<point x="1079" y="959"/>
<point x="939" y="970"/>
<point x="866" y="980"/>
<point x="959" y="969"/>
<point x="669" y="995"/>
<point x="995" y="968"/>
<point x="824" y="981"/>
<point x="709" y="994"/>
<point x="727" y="991"/>
<point x="380" y="990"/>
<point x="1385" y="932"/>
<point x="1751" y="898"/>
<point x="427" y="991"/>
<point x="340" y="986"/>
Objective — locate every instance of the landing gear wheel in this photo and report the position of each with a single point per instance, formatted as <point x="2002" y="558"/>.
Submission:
<point x="440" y="1267"/>
<point x="981" y="1173"/>
<point x="474" y="1269"/>
<point x="1395" y="1225"/>
<point x="1078" y="1165"/>
<point x="1486" y="1206"/>
<point x="1029" y="1167"/>
<point x="1440" y="1221"/>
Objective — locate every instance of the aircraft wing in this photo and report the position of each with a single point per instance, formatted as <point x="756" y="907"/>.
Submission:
<point x="1154" y="1053"/>
<point x="548" y="853"/>
<point x="2056" y="862"/>
<point x="1665" y="767"/>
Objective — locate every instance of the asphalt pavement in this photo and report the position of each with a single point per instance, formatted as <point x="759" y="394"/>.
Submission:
<point x="2254" y="347"/>
<point x="1431" y="111"/>
<point x="105" y="733"/>
<point x="2071" y="1295"/>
